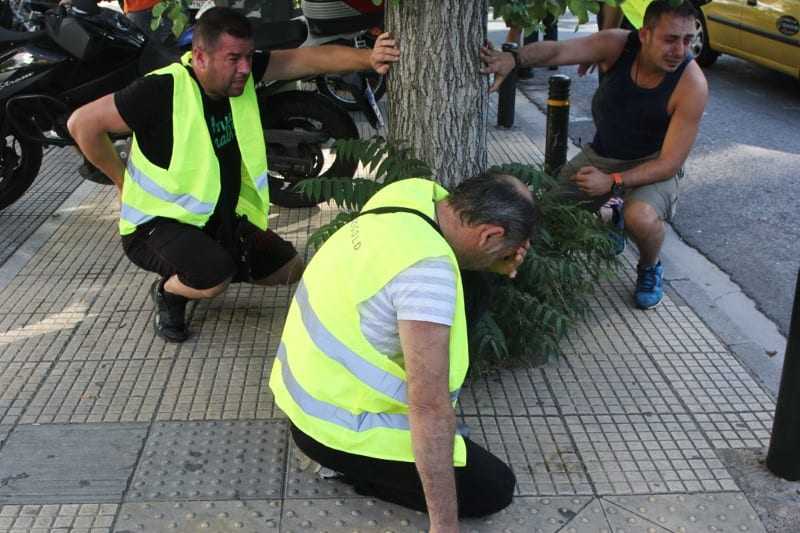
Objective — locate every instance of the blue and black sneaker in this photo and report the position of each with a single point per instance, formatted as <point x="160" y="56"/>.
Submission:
<point x="649" y="291"/>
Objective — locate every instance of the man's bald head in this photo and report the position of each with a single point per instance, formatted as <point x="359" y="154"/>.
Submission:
<point x="497" y="199"/>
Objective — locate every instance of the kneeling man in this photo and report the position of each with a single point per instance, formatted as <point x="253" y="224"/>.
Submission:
<point x="375" y="349"/>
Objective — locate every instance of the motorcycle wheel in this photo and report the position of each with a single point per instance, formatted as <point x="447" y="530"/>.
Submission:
<point x="331" y="86"/>
<point x="306" y="111"/>
<point x="19" y="165"/>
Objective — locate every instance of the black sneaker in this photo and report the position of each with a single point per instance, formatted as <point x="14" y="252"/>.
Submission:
<point x="168" y="320"/>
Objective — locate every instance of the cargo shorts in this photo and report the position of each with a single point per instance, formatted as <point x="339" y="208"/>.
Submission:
<point x="662" y="195"/>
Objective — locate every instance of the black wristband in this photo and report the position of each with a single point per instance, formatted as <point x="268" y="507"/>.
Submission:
<point x="513" y="49"/>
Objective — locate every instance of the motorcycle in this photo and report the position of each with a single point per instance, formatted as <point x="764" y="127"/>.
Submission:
<point x="86" y="52"/>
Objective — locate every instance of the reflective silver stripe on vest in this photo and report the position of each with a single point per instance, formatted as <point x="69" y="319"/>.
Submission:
<point x="133" y="215"/>
<point x="332" y="413"/>
<point x="261" y="181"/>
<point x="366" y="372"/>
<point x="187" y="201"/>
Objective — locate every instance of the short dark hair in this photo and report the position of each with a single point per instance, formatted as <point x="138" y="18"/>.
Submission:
<point x="218" y="20"/>
<point x="657" y="8"/>
<point x="499" y="199"/>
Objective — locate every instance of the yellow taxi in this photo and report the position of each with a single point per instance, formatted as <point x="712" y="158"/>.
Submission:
<point x="766" y="32"/>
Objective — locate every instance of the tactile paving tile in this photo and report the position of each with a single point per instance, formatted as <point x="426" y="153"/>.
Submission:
<point x="35" y="337"/>
<point x="18" y="384"/>
<point x="603" y="330"/>
<point x="69" y="463"/>
<point x="73" y="518"/>
<point x="251" y="516"/>
<point x="522" y="391"/>
<point x="529" y="515"/>
<point x="218" y="389"/>
<point x="638" y="454"/>
<point x="539" y="451"/>
<point x="736" y="430"/>
<point x="58" y="177"/>
<point x="601" y="383"/>
<point x="713" y="383"/>
<point x="99" y="391"/>
<point x="694" y="512"/>
<point x="621" y="520"/>
<point x="212" y="460"/>
<point x="237" y="315"/>
<point x="349" y="515"/>
<point x="116" y="335"/>
<point x="304" y="481"/>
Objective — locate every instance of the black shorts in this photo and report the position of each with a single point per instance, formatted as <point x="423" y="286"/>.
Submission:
<point x="201" y="262"/>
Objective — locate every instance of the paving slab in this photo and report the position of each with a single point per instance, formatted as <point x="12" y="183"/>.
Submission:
<point x="88" y="463"/>
<point x="57" y="179"/>
<point x="252" y="516"/>
<point x="212" y="460"/>
<point x="640" y="454"/>
<point x="72" y="518"/>
<point x="218" y="389"/>
<point x="695" y="512"/>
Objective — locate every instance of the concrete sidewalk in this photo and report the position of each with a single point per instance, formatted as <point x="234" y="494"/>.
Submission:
<point x="103" y="427"/>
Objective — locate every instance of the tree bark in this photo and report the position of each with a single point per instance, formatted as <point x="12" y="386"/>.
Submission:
<point x="438" y="100"/>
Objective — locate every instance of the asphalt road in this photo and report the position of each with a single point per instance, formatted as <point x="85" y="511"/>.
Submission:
<point x="740" y="200"/>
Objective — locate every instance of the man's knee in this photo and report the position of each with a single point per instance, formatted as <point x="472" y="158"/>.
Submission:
<point x="289" y="273"/>
<point x="642" y="219"/>
<point x="486" y="490"/>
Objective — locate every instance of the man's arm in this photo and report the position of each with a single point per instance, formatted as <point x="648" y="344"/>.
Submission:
<point x="690" y="99"/>
<point x="301" y="63"/>
<point x="603" y="47"/>
<point x="426" y="351"/>
<point x="90" y="125"/>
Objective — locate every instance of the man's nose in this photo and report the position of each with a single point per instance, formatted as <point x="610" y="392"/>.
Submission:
<point x="244" y="66"/>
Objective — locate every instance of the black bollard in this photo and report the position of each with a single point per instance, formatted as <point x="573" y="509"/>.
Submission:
<point x="507" y="94"/>
<point x="555" y="150"/>
<point x="783" y="457"/>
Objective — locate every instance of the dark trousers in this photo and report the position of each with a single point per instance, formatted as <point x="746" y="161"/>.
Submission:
<point x="484" y="486"/>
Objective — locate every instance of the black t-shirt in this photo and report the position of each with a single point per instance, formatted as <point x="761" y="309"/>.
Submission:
<point x="146" y="106"/>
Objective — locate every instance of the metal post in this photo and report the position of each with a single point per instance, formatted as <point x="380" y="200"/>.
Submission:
<point x="783" y="457"/>
<point x="555" y="151"/>
<point x="507" y="94"/>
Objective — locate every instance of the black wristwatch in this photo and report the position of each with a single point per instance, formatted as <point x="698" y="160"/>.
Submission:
<point x="513" y="49"/>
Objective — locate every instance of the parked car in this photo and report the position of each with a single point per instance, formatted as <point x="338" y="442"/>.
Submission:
<point x="766" y="32"/>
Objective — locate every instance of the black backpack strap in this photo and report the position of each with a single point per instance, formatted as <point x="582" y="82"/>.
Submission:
<point x="397" y="209"/>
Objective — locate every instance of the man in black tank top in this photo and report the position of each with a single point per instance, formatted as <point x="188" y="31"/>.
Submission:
<point x="647" y="111"/>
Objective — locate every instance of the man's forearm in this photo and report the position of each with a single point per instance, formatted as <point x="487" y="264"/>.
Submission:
<point x="649" y="172"/>
<point x="432" y="436"/>
<point x="538" y="54"/>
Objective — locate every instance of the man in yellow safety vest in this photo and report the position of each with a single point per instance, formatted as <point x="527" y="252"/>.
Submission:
<point x="194" y="195"/>
<point x="375" y="349"/>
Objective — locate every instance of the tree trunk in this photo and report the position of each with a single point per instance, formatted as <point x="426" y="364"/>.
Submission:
<point x="438" y="100"/>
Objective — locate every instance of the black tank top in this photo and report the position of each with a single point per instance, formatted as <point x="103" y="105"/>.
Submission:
<point x="631" y="121"/>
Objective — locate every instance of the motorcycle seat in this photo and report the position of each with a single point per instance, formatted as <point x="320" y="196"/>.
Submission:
<point x="8" y="36"/>
<point x="279" y="35"/>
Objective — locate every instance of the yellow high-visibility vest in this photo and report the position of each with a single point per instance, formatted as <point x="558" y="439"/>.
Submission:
<point x="634" y="11"/>
<point x="328" y="379"/>
<point x="187" y="191"/>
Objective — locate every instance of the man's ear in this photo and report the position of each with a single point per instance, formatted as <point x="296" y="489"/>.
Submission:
<point x="490" y="235"/>
<point x="199" y="58"/>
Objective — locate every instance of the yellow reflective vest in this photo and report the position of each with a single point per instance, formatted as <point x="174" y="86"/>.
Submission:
<point x="187" y="191"/>
<point x="634" y="11"/>
<point x="328" y="379"/>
